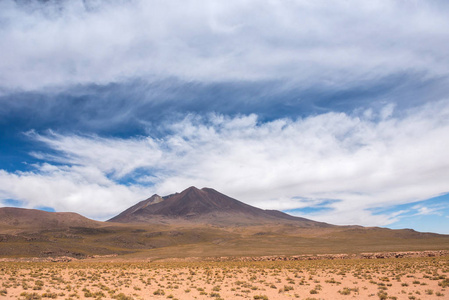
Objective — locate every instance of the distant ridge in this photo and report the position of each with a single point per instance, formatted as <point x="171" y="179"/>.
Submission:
<point x="38" y="219"/>
<point x="205" y="205"/>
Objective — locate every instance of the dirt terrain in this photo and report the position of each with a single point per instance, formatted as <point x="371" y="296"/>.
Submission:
<point x="392" y="278"/>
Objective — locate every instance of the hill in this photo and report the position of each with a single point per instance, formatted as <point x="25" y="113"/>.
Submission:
<point x="21" y="219"/>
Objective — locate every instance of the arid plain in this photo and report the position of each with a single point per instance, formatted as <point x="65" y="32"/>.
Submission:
<point x="405" y="278"/>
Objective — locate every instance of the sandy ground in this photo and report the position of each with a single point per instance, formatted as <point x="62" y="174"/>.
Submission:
<point x="417" y="278"/>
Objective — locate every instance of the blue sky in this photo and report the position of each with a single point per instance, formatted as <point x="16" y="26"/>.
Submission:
<point x="333" y="110"/>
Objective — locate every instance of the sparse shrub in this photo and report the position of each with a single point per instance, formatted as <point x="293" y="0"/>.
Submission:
<point x="159" y="292"/>
<point x="122" y="296"/>
<point x="382" y="295"/>
<point x="50" y="295"/>
<point x="444" y="283"/>
<point x="288" y="288"/>
<point x="33" y="296"/>
<point x="332" y="280"/>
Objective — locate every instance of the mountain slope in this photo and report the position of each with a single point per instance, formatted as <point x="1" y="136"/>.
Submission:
<point x="205" y="206"/>
<point x="195" y="223"/>
<point x="22" y="218"/>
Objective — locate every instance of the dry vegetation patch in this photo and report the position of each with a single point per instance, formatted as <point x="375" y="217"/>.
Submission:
<point x="406" y="278"/>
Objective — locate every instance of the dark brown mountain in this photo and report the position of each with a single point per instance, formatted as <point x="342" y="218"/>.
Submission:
<point x="205" y="206"/>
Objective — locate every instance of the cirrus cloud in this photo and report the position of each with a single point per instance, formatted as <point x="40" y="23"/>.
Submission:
<point x="334" y="43"/>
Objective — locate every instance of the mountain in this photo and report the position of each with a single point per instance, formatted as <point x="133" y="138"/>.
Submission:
<point x="194" y="223"/>
<point x="34" y="219"/>
<point x="207" y="206"/>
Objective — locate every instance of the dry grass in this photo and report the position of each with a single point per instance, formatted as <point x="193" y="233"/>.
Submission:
<point x="159" y="241"/>
<point x="417" y="278"/>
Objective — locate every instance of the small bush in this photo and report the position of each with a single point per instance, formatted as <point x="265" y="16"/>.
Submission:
<point x="122" y="296"/>
<point x="382" y="295"/>
<point x="444" y="283"/>
<point x="287" y="288"/>
<point x="159" y="292"/>
<point x="33" y="296"/>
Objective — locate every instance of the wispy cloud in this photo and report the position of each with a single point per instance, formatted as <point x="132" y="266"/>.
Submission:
<point x="355" y="162"/>
<point x="427" y="215"/>
<point x="423" y="210"/>
<point x="60" y="43"/>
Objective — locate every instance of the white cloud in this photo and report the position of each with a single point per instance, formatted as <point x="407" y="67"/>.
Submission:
<point x="363" y="162"/>
<point x="83" y="189"/>
<point x="60" y="43"/>
<point x="423" y="210"/>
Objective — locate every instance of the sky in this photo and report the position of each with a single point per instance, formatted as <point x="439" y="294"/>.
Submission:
<point x="337" y="111"/>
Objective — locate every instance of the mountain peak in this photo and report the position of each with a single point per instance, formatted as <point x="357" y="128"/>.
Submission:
<point x="192" y="189"/>
<point x="204" y="205"/>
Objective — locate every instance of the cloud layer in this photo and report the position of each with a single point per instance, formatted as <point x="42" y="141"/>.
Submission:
<point x="60" y="43"/>
<point x="350" y="164"/>
<point x="336" y="110"/>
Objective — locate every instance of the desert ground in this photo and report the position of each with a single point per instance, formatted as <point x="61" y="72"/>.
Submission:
<point x="392" y="278"/>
